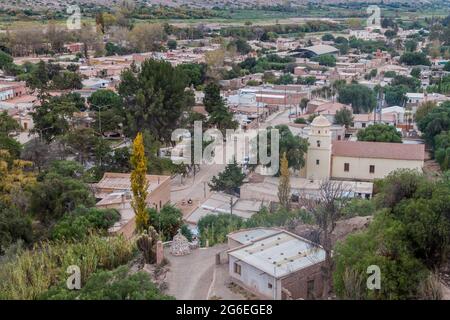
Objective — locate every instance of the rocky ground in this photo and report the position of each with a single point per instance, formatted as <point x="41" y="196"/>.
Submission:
<point x="342" y="230"/>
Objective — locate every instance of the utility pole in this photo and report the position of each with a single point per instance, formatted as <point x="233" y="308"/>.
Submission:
<point x="204" y="189"/>
<point x="231" y="205"/>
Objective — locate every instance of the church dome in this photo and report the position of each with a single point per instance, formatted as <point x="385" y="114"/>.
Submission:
<point x="320" y="121"/>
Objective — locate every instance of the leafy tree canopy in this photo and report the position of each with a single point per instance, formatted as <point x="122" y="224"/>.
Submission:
<point x="360" y="97"/>
<point x="228" y="180"/>
<point x="155" y="98"/>
<point x="380" y="132"/>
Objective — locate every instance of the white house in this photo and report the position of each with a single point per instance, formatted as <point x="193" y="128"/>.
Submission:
<point x="276" y="264"/>
<point x="96" y="83"/>
<point x="398" y="111"/>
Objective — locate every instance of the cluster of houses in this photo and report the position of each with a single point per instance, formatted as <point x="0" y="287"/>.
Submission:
<point x="272" y="263"/>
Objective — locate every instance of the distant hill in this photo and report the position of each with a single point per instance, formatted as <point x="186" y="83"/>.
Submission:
<point x="61" y="4"/>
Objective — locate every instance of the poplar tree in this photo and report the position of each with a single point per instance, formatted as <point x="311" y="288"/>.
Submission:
<point x="284" y="187"/>
<point x="139" y="183"/>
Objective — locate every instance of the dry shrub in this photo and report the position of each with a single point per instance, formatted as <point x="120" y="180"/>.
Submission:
<point x="430" y="288"/>
<point x="34" y="271"/>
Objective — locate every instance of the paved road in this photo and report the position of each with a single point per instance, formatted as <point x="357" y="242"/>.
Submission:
<point x="196" y="189"/>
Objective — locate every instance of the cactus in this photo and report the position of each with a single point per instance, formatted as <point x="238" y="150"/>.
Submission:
<point x="146" y="243"/>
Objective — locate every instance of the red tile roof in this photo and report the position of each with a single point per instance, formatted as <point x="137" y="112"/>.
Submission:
<point x="381" y="150"/>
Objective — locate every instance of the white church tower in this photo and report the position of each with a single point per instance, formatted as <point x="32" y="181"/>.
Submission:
<point x="318" y="163"/>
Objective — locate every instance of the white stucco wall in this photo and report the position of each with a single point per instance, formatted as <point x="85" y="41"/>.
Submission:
<point x="321" y="153"/>
<point x="6" y="94"/>
<point x="359" y="167"/>
<point x="255" y="279"/>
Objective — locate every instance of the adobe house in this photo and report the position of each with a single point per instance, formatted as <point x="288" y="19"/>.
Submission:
<point x="114" y="191"/>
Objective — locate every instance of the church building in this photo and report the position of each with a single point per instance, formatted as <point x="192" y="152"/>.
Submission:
<point x="356" y="160"/>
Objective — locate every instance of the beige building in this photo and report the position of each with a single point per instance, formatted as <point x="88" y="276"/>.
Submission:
<point x="114" y="191"/>
<point x="356" y="160"/>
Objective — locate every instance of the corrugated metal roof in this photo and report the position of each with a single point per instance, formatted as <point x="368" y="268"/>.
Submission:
<point x="250" y="235"/>
<point x="322" y="49"/>
<point x="280" y="254"/>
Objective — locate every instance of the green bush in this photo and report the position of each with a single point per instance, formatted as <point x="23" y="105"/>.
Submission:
<point x="14" y="225"/>
<point x="265" y="218"/>
<point x="215" y="228"/>
<point x="78" y="224"/>
<point x="408" y="240"/>
<point x="300" y="120"/>
<point x="401" y="272"/>
<point x="359" y="207"/>
<point x="185" y="231"/>
<point x="166" y="222"/>
<point x="118" y="284"/>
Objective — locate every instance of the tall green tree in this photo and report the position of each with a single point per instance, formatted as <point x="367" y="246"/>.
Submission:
<point x="344" y="117"/>
<point x="295" y="147"/>
<point x="228" y="180"/>
<point x="58" y="191"/>
<point x="212" y="98"/>
<point x="360" y="97"/>
<point x="155" y="99"/>
<point x="434" y="122"/>
<point x="219" y="115"/>
<point x="5" y="59"/>
<point x="415" y="59"/>
<point x="52" y="117"/>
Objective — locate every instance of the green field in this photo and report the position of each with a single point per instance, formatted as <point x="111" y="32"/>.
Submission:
<point x="255" y="16"/>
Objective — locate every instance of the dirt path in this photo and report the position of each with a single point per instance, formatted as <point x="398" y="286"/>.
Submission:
<point x="190" y="277"/>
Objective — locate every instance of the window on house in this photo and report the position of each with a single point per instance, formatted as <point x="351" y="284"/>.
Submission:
<point x="310" y="289"/>
<point x="269" y="285"/>
<point x="237" y="268"/>
<point x="363" y="125"/>
<point x="346" y="167"/>
<point x="372" y="169"/>
<point x="317" y="162"/>
<point x="318" y="143"/>
<point x="339" y="137"/>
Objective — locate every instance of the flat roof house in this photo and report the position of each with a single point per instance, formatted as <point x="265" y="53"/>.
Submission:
<point x="314" y="51"/>
<point x="114" y="191"/>
<point x="276" y="264"/>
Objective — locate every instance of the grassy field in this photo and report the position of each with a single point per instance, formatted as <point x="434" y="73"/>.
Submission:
<point x="255" y="16"/>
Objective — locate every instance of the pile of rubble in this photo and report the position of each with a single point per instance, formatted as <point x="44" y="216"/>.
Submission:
<point x="180" y="245"/>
